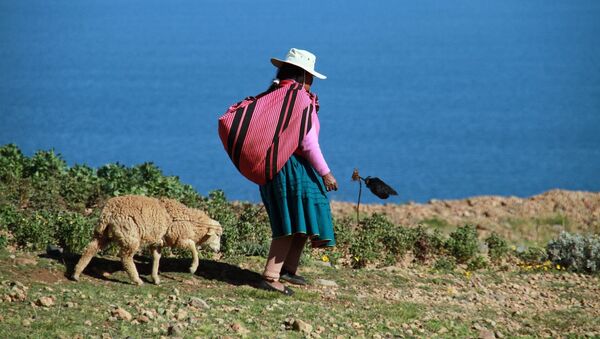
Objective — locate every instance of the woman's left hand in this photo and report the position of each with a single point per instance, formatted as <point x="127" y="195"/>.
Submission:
<point x="330" y="182"/>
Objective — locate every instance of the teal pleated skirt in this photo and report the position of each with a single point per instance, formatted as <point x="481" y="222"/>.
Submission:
<point x="296" y="201"/>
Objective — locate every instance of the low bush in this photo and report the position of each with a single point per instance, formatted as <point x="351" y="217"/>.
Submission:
<point x="478" y="262"/>
<point x="497" y="247"/>
<point x="462" y="243"/>
<point x="445" y="264"/>
<point x="576" y="252"/>
<point x="533" y="255"/>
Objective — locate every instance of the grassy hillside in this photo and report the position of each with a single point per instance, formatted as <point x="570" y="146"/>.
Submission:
<point x="383" y="279"/>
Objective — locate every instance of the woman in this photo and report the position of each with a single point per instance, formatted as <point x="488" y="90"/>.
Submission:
<point x="295" y="198"/>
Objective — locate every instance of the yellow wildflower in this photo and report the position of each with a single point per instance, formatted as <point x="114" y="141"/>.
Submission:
<point x="558" y="267"/>
<point x="325" y="258"/>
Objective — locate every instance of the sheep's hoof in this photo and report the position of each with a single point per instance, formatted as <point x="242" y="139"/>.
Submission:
<point x="193" y="269"/>
<point x="156" y="280"/>
<point x="138" y="282"/>
<point x="75" y="277"/>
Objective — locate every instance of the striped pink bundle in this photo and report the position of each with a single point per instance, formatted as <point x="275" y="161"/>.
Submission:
<point x="261" y="133"/>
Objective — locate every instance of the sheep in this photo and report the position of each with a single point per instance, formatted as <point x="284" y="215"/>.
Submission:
<point x="133" y="221"/>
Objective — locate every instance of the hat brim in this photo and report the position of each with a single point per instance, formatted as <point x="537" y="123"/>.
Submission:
<point x="277" y="63"/>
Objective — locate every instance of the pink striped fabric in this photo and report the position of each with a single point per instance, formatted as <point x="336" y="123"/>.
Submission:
<point x="261" y="133"/>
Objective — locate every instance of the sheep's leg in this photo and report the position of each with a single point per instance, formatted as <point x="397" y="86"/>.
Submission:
<point x="90" y="251"/>
<point x="191" y="245"/>
<point x="127" y="260"/>
<point x="155" y="261"/>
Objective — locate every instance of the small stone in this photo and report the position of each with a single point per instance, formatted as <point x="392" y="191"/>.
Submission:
<point x="181" y="314"/>
<point x="176" y="291"/>
<point x="69" y="304"/>
<point x="25" y="261"/>
<point x="302" y="326"/>
<point x="327" y="283"/>
<point x="175" y="330"/>
<point x="486" y="334"/>
<point x="143" y="319"/>
<point x="87" y="323"/>
<point x="45" y="301"/>
<point x="442" y="330"/>
<point x="198" y="303"/>
<point x="26" y="322"/>
<point x="121" y="314"/>
<point x="239" y="329"/>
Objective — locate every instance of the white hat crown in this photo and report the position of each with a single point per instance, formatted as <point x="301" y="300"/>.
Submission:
<point x="301" y="58"/>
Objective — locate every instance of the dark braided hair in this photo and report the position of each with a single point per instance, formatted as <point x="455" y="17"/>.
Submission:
<point x="285" y="72"/>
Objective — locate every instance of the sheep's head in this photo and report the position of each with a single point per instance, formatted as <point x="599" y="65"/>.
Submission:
<point x="212" y="238"/>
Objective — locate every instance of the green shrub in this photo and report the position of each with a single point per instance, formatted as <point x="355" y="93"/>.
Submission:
<point x="73" y="231"/>
<point x="81" y="187"/>
<point x="477" y="263"/>
<point x="533" y="255"/>
<point x="425" y="244"/>
<point x="35" y="231"/>
<point x="462" y="243"/>
<point x="497" y="247"/>
<point x="367" y="246"/>
<point x="445" y="264"/>
<point x="580" y="253"/>
<point x="12" y="163"/>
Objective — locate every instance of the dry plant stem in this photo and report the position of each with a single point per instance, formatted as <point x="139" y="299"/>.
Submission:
<point x="358" y="202"/>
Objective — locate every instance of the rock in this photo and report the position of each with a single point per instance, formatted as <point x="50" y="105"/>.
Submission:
<point x="328" y="283"/>
<point x="45" y="301"/>
<point x="69" y="304"/>
<point x="26" y="323"/>
<point x="239" y="329"/>
<point x="181" y="314"/>
<point x="25" y="261"/>
<point x="143" y="319"/>
<point x="301" y="326"/>
<point x="175" y="329"/>
<point x="198" y="303"/>
<point x="442" y="330"/>
<point x="87" y="323"/>
<point x="121" y="314"/>
<point x="486" y="334"/>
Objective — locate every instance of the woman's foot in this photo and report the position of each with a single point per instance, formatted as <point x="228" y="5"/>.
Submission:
<point x="275" y="286"/>
<point x="292" y="278"/>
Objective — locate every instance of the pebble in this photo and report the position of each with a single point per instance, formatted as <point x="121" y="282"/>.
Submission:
<point x="302" y="326"/>
<point x="175" y="329"/>
<point x="198" y="303"/>
<point x="121" y="314"/>
<point x="87" y="323"/>
<point x="239" y="329"/>
<point x="324" y="282"/>
<point x="486" y="334"/>
<point x="45" y="301"/>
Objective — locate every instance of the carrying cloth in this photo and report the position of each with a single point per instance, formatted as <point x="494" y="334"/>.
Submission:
<point x="261" y="133"/>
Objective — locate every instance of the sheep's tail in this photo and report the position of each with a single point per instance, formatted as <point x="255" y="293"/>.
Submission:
<point x="102" y="226"/>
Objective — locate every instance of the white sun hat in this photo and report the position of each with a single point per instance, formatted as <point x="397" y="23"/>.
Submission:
<point x="301" y="58"/>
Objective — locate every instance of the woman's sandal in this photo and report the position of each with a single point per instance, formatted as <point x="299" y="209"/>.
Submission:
<point x="264" y="285"/>
<point x="292" y="278"/>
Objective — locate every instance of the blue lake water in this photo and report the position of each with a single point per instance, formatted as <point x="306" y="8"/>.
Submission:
<point x="441" y="99"/>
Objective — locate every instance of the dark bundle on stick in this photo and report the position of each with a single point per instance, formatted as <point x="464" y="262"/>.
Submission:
<point x="376" y="185"/>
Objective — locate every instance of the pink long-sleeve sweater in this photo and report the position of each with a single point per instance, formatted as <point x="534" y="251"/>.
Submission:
<point x="310" y="149"/>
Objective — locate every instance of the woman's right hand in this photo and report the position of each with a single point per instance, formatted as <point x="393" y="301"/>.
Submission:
<point x="330" y="182"/>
